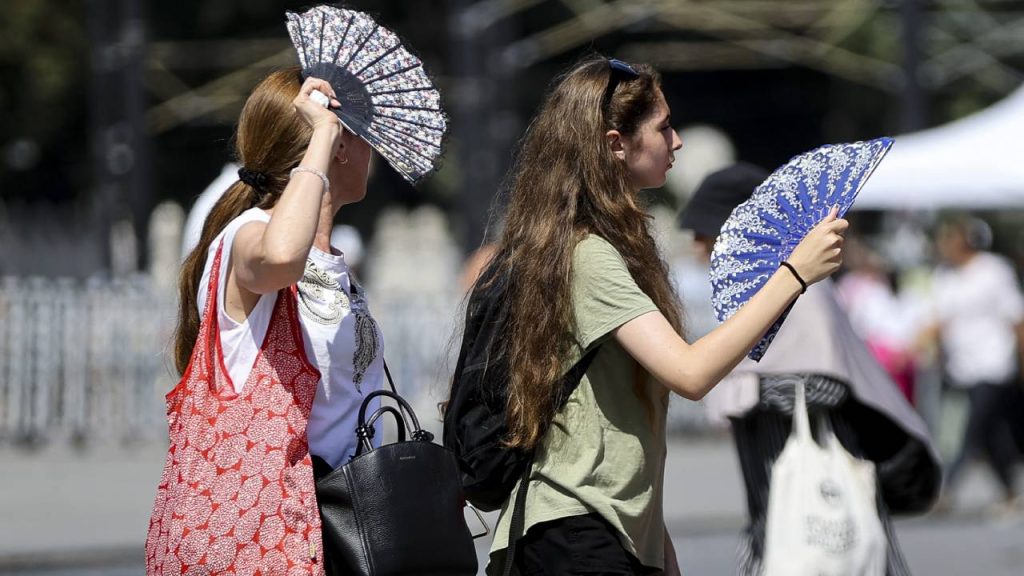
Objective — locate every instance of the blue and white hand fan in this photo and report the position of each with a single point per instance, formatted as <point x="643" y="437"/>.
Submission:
<point x="763" y="231"/>
<point x="386" y="97"/>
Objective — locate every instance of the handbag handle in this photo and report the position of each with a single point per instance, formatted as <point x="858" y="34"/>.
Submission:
<point x="366" y="431"/>
<point x="389" y="394"/>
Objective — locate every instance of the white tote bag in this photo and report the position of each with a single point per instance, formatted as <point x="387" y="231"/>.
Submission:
<point x="822" y="513"/>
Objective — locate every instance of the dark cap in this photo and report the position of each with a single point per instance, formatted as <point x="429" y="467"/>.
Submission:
<point x="717" y="195"/>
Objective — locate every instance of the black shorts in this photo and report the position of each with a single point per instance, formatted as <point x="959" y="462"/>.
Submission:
<point x="577" y="545"/>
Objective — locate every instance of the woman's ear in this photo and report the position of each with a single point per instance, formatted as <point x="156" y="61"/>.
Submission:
<point x="341" y="153"/>
<point x="616" y="144"/>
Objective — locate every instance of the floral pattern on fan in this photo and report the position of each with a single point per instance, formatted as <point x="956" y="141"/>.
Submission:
<point x="386" y="97"/>
<point x="763" y="231"/>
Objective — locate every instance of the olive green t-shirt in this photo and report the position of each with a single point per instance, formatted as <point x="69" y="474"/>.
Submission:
<point x="605" y="451"/>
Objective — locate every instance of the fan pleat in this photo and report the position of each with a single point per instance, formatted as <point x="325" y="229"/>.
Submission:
<point x="422" y="99"/>
<point x="387" y="52"/>
<point x="320" y="45"/>
<point x="428" y="136"/>
<point x="418" y="82"/>
<point x="341" y="41"/>
<point x="421" y="108"/>
<point x="397" y="142"/>
<point x="303" y="56"/>
<point x="383" y="44"/>
<point x="421" y="119"/>
<point x="403" y="161"/>
<point x="433" y="146"/>
<point x="355" y="51"/>
<point x="390" y="74"/>
<point x="400" y="91"/>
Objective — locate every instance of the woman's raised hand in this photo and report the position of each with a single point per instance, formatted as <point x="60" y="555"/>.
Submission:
<point x="820" y="253"/>
<point x="311" y="111"/>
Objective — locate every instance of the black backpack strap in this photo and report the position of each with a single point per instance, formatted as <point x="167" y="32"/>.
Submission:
<point x="575" y="374"/>
<point x="517" y="524"/>
<point x="518" y="521"/>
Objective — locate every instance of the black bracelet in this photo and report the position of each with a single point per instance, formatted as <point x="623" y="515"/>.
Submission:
<point x="803" y="285"/>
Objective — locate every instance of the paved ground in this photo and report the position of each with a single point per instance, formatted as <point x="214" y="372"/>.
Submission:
<point x="71" y="513"/>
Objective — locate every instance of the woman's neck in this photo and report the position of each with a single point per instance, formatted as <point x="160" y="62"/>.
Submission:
<point x="325" y="225"/>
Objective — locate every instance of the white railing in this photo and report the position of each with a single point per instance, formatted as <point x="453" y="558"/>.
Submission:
<point x="88" y="361"/>
<point x="82" y="360"/>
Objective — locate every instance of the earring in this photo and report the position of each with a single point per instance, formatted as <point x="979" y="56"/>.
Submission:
<point x="345" y="161"/>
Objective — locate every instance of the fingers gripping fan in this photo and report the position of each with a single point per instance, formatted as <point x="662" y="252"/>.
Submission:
<point x="763" y="231"/>
<point x="386" y="97"/>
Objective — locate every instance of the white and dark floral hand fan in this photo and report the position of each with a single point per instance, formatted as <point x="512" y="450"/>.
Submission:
<point x="763" y="231"/>
<point x="386" y="97"/>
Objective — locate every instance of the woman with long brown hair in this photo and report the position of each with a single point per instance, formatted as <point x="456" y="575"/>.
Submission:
<point x="275" y="343"/>
<point x="584" y="273"/>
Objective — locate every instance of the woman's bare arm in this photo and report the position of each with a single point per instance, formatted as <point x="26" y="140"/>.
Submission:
<point x="269" y="256"/>
<point x="693" y="370"/>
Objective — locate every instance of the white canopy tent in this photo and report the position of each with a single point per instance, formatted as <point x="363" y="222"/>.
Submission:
<point x="976" y="162"/>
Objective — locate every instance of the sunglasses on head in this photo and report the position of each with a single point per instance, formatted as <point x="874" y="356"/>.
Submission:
<point x="621" y="67"/>
<point x="619" y="71"/>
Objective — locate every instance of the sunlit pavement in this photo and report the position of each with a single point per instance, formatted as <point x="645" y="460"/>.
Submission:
<point x="88" y="510"/>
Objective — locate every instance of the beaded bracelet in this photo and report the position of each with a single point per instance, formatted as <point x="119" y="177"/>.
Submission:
<point x="314" y="171"/>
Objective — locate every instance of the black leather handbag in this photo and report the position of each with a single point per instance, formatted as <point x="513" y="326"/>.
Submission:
<point x="396" y="509"/>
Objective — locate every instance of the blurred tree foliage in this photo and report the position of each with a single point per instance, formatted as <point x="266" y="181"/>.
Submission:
<point x="45" y="62"/>
<point x="44" y="70"/>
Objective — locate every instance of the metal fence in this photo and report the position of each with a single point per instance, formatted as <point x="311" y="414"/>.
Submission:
<point x="88" y="360"/>
<point x="82" y="360"/>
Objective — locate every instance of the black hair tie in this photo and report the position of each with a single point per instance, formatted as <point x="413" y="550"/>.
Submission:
<point x="257" y="180"/>
<point x="803" y="284"/>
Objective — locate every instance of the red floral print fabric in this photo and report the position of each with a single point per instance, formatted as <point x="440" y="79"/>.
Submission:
<point x="236" y="495"/>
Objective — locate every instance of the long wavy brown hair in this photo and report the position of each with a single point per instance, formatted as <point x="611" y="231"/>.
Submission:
<point x="270" y="139"/>
<point x="565" y="184"/>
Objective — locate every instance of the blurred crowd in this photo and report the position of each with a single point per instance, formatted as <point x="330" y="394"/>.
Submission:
<point x="947" y="325"/>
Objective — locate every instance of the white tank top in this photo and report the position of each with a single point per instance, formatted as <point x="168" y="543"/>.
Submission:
<point x="339" y="334"/>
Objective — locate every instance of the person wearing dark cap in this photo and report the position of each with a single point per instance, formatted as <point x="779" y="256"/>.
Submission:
<point x="710" y="206"/>
<point x="715" y="198"/>
<point x="843" y="383"/>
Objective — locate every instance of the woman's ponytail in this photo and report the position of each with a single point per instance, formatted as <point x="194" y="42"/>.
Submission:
<point x="270" y="141"/>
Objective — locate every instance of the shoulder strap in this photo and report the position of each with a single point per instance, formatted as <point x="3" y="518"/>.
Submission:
<point x="208" y="337"/>
<point x="213" y="285"/>
<point x="391" y="382"/>
<point x="518" y="522"/>
<point x="572" y="378"/>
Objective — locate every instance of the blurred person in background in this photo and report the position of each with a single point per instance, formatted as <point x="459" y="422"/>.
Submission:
<point x="203" y="204"/>
<point x="585" y="274"/>
<point x="843" y="382"/>
<point x="979" y="324"/>
<point x="287" y="334"/>
<point x="887" y="325"/>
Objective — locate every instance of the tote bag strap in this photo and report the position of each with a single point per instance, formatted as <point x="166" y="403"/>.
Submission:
<point x="801" y="422"/>
<point x="209" y="328"/>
